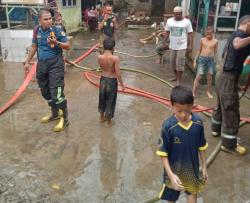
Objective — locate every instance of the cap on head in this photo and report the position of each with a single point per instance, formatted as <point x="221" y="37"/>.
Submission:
<point x="177" y="9"/>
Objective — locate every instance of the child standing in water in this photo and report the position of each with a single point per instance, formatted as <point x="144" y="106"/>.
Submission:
<point x="206" y="57"/>
<point x="181" y="145"/>
<point x="108" y="83"/>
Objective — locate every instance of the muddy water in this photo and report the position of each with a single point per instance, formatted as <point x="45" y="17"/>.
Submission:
<point x="89" y="162"/>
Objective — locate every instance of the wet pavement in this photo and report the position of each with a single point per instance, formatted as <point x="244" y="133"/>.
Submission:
<point x="89" y="162"/>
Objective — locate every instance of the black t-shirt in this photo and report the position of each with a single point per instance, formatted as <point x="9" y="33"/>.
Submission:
<point x="108" y="26"/>
<point x="235" y="58"/>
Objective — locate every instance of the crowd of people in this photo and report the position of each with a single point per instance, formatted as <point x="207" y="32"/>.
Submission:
<point x="182" y="139"/>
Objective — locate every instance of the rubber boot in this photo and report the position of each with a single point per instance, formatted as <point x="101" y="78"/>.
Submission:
<point x="55" y="115"/>
<point x="63" y="122"/>
<point x="238" y="150"/>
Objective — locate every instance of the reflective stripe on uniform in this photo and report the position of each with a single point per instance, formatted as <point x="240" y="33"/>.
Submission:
<point x="227" y="136"/>
<point x="59" y="97"/>
<point x="215" y="121"/>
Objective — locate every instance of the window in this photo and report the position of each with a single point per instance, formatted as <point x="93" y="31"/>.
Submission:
<point x="68" y="3"/>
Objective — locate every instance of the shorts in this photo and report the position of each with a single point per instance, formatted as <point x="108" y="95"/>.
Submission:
<point x="107" y="96"/>
<point x="177" y="59"/>
<point x="170" y="194"/>
<point x="205" y="65"/>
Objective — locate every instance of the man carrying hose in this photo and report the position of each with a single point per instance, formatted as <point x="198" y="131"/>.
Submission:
<point x="48" y="41"/>
<point x="226" y="115"/>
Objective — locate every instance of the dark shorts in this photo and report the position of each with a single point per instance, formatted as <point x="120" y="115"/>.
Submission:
<point x="170" y="194"/>
<point x="107" y="96"/>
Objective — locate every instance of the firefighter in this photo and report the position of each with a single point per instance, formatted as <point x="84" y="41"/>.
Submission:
<point x="49" y="41"/>
<point x="226" y="115"/>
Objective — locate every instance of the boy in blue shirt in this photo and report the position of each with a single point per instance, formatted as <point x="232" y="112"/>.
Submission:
<point x="181" y="144"/>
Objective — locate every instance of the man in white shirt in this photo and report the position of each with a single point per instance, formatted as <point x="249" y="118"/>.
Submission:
<point x="179" y="32"/>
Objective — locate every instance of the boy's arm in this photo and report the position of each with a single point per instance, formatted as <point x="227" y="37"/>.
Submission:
<point x="118" y="72"/>
<point x="175" y="180"/>
<point x="216" y="52"/>
<point x="197" y="54"/>
<point x="163" y="152"/>
<point x="203" y="164"/>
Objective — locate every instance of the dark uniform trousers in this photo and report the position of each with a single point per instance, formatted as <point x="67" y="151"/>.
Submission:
<point x="50" y="77"/>
<point x="226" y="115"/>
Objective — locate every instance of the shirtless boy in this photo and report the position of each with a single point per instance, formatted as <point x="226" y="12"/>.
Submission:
<point x="108" y="82"/>
<point x="206" y="57"/>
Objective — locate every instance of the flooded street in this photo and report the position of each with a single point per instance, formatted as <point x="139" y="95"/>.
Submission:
<point x="90" y="163"/>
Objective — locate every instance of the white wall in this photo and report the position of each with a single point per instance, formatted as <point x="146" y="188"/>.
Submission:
<point x="15" y="44"/>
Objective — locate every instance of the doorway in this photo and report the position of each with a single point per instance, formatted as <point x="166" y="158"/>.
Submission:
<point x="157" y="8"/>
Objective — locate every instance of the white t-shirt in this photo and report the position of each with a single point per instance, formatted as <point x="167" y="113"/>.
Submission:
<point x="178" y="35"/>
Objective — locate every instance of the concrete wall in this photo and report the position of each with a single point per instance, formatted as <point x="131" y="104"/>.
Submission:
<point x="72" y="16"/>
<point x="15" y="44"/>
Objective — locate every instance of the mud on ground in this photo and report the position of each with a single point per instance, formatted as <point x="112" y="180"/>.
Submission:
<point x="89" y="162"/>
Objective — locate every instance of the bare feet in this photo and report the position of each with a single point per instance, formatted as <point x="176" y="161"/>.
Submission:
<point x="110" y="123"/>
<point x="102" y="118"/>
<point x="210" y="96"/>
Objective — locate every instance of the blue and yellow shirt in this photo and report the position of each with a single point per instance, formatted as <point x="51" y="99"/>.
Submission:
<point x="45" y="50"/>
<point x="181" y="145"/>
